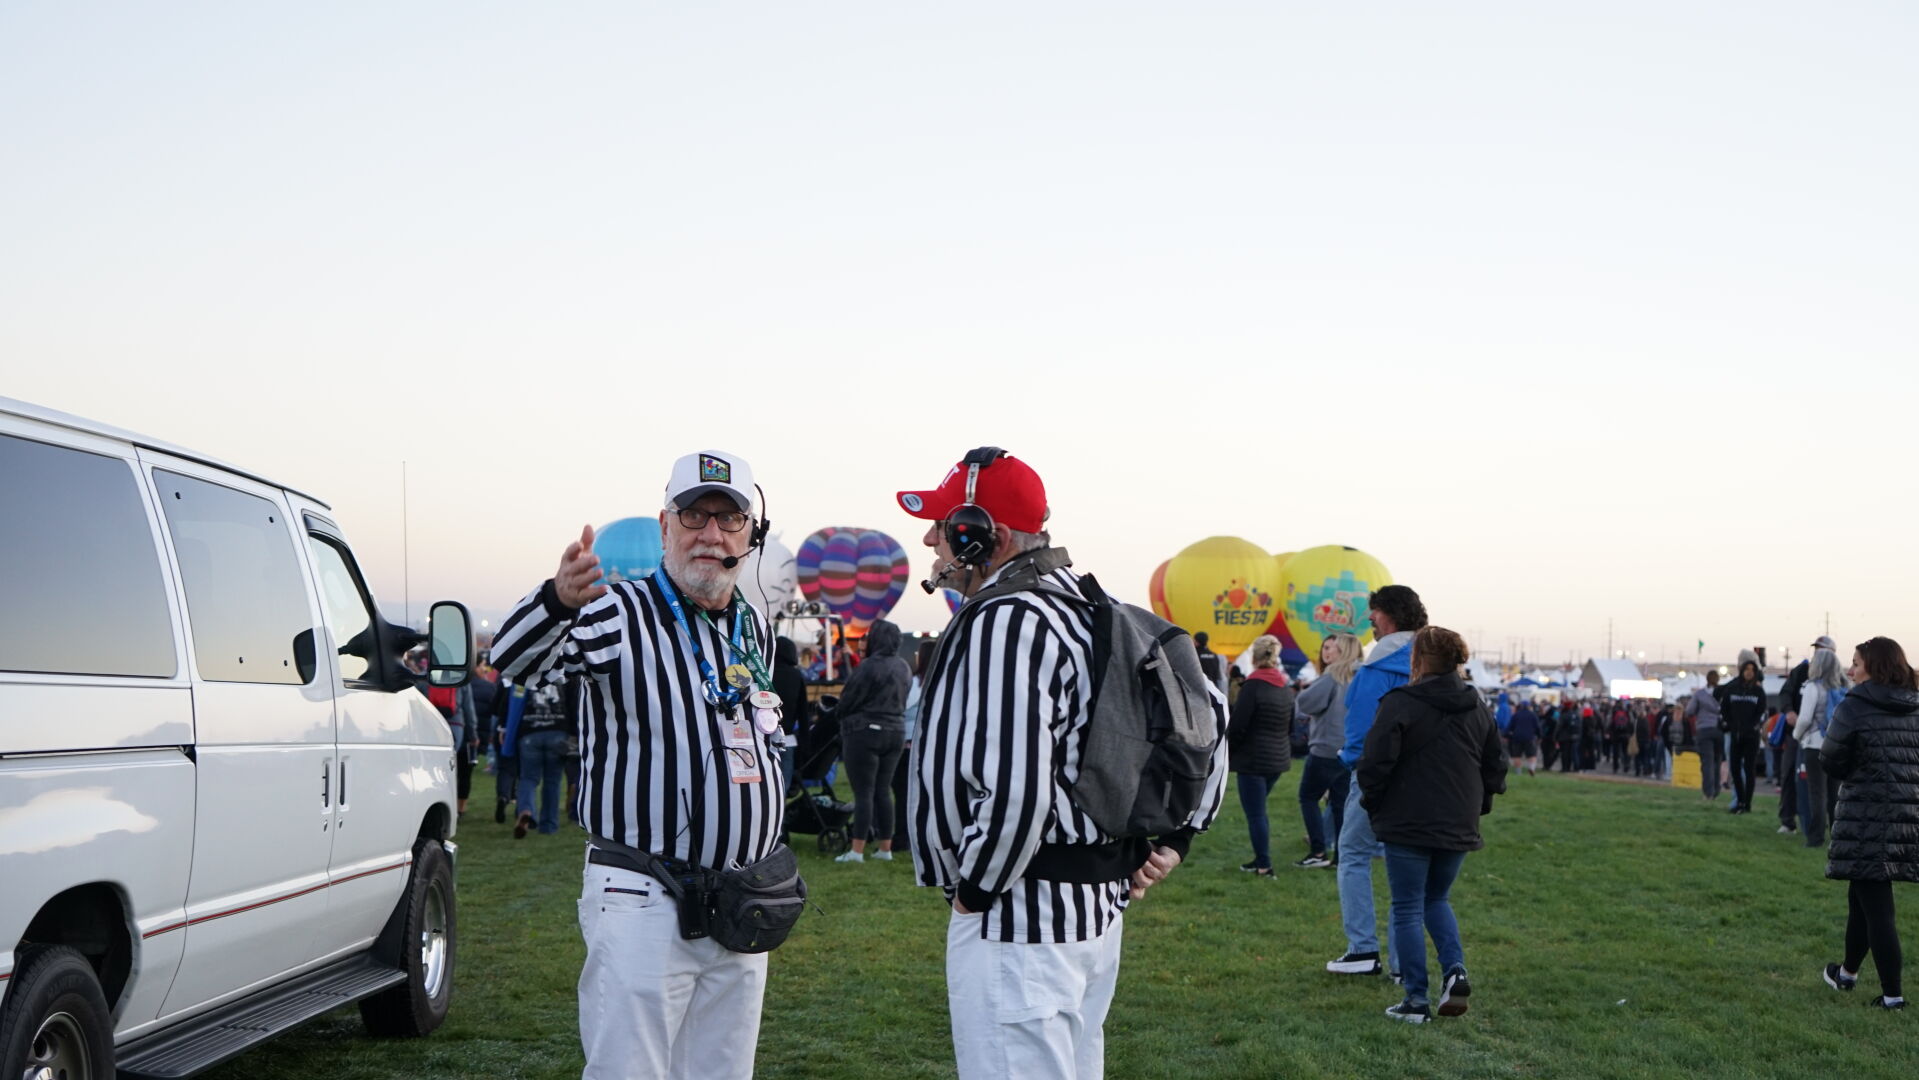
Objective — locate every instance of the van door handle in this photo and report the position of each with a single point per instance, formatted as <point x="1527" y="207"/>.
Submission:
<point x="326" y="781"/>
<point x="343" y="803"/>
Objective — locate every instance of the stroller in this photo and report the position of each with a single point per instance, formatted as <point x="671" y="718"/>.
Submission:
<point x="815" y="808"/>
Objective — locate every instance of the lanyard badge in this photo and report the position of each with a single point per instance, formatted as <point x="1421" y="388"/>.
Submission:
<point x="742" y="676"/>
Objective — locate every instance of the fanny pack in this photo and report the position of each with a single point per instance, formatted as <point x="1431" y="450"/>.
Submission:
<point x="749" y="910"/>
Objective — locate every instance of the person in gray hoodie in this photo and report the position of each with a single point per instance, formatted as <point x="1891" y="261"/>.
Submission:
<point x="1325" y="703"/>
<point x="1703" y="708"/>
<point x="872" y="720"/>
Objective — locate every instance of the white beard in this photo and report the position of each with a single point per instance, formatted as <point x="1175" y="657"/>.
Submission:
<point x="708" y="582"/>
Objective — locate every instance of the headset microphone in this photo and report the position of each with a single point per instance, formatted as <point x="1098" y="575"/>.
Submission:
<point x="759" y="532"/>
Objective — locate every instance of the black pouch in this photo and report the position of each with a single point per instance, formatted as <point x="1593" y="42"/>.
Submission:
<point x="754" y="908"/>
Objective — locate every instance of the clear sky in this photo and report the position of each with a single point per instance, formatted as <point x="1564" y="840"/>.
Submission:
<point x="1565" y="312"/>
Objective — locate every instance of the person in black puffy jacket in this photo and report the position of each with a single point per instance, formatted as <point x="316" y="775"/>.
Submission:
<point x="1431" y="767"/>
<point x="1259" y="744"/>
<point x="1872" y="749"/>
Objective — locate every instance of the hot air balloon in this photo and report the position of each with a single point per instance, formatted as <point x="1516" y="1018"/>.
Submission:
<point x="768" y="576"/>
<point x="629" y="549"/>
<point x="1291" y="656"/>
<point x="1325" y="591"/>
<point x="858" y="574"/>
<point x="954" y="598"/>
<point x="1222" y="585"/>
<point x="1156" y="592"/>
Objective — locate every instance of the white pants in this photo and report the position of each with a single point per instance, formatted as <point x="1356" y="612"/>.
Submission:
<point x="653" y="1004"/>
<point x="1029" y="1012"/>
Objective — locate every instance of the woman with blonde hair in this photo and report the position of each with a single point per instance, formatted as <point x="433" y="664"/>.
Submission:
<point x="1431" y="767"/>
<point x="1259" y="744"/>
<point x="1323" y="776"/>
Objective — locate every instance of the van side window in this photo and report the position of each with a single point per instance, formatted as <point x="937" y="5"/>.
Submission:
<point x="246" y="600"/>
<point x="346" y="610"/>
<point x="80" y="586"/>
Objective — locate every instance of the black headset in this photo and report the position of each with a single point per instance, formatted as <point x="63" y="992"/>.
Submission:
<point x="970" y="535"/>
<point x="758" y="539"/>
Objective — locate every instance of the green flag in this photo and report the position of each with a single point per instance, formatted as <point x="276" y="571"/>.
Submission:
<point x="1702" y="647"/>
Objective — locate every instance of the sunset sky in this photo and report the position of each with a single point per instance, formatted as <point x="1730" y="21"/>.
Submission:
<point x="1565" y="312"/>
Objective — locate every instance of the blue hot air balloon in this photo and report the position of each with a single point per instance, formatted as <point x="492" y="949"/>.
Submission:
<point x="629" y="549"/>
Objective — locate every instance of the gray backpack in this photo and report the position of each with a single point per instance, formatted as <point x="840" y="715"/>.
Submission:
<point x="1151" y="738"/>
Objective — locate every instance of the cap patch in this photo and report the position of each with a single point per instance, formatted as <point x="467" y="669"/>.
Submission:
<point x="912" y="502"/>
<point x="715" y="470"/>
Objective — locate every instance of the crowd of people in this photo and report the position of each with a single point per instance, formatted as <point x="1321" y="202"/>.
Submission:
<point x="653" y="703"/>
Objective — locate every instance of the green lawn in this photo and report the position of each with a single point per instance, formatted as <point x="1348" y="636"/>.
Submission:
<point x="1613" y="930"/>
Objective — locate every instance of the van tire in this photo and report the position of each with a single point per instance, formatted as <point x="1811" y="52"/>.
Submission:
<point x="419" y="938"/>
<point x="56" y="1012"/>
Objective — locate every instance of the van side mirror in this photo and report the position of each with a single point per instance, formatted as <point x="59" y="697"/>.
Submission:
<point x="449" y="630"/>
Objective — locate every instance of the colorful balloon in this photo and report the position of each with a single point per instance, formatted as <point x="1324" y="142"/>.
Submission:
<point x="953" y="598"/>
<point x="1325" y="591"/>
<point x="1222" y="585"/>
<point x="1156" y="592"/>
<point x="629" y="549"/>
<point x="859" y="574"/>
<point x="1278" y="627"/>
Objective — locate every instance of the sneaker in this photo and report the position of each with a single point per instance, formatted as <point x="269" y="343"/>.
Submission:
<point x="849" y="855"/>
<point x="1255" y="868"/>
<point x="1837" y="978"/>
<point x="1787" y="830"/>
<point x="1454" y="992"/>
<point x="1352" y="963"/>
<point x="1883" y="1002"/>
<point x="1312" y="862"/>
<point x="499" y="812"/>
<point x="883" y="855"/>
<point x="1395" y="977"/>
<point x="1409" y="1013"/>
<point x="521" y="826"/>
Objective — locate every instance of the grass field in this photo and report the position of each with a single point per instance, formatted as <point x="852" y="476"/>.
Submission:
<point x="1612" y="930"/>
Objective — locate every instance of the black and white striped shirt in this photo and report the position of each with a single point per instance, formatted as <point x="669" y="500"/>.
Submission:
<point x="1003" y="723"/>
<point x="653" y="771"/>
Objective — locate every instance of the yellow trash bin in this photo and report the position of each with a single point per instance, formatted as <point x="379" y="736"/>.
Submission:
<point x="1685" y="770"/>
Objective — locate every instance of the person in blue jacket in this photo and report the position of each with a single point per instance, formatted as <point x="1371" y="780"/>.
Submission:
<point x="1397" y="614"/>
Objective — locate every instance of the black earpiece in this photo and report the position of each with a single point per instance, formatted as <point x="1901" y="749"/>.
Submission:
<point x="970" y="532"/>
<point x="758" y="539"/>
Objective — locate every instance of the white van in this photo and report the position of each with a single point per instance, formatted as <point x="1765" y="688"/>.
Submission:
<point x="224" y="808"/>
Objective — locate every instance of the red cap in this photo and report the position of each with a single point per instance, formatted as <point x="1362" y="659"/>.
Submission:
<point x="1008" y="489"/>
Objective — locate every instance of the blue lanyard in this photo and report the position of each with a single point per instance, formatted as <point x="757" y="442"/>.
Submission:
<point x="725" y="697"/>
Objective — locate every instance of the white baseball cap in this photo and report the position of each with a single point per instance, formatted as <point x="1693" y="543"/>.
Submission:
<point x="707" y="471"/>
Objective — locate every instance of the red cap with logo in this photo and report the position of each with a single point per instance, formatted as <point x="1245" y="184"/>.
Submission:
<point x="1007" y="488"/>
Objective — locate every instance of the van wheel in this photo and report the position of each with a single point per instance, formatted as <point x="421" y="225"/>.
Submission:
<point x="55" y="1023"/>
<point x="419" y="939"/>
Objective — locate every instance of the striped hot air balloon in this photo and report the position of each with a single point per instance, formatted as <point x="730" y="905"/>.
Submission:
<point x="859" y="574"/>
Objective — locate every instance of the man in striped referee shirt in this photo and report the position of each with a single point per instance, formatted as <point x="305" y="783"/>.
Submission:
<point x="671" y="765"/>
<point x="1037" y="890"/>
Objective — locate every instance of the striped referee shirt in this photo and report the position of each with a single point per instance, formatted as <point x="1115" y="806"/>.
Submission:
<point x="653" y="771"/>
<point x="1003" y="722"/>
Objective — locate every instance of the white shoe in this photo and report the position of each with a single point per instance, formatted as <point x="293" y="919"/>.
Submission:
<point x="883" y="855"/>
<point x="850" y="856"/>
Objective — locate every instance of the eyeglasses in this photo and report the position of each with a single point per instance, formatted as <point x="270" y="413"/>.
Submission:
<point x="693" y="518"/>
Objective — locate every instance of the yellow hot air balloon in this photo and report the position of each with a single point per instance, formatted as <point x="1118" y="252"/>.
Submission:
<point x="1324" y="591"/>
<point x="1222" y="585"/>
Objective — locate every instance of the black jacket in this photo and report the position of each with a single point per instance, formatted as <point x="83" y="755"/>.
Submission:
<point x="876" y="691"/>
<point x="789" y="682"/>
<point x="1872" y="748"/>
<point x="1742" y="706"/>
<point x="1795" y="682"/>
<point x="1431" y="766"/>
<point x="1259" y="738"/>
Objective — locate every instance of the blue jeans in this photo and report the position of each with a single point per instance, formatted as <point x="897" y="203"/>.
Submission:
<point x="1323" y="776"/>
<point x="1358" y="847"/>
<point x="540" y="756"/>
<point x="1253" y="790"/>
<point x="1421" y="879"/>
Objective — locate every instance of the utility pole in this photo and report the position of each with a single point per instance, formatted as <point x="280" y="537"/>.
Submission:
<point x="406" y="564"/>
<point x="1609" y="654"/>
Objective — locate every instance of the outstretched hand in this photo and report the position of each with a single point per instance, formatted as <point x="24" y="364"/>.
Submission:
<point x="579" y="569"/>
